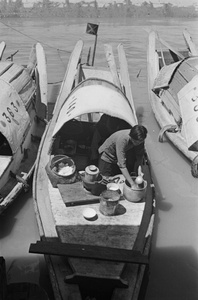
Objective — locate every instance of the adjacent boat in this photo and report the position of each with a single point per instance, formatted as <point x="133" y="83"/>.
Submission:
<point x="22" y="121"/>
<point x="90" y="255"/>
<point x="173" y="92"/>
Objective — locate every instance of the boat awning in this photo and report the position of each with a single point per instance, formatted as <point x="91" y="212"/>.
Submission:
<point x="95" y="95"/>
<point x="164" y="77"/>
<point x="14" y="118"/>
<point x="188" y="101"/>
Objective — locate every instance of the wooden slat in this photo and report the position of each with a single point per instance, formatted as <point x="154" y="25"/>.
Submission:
<point x="19" y="82"/>
<point x="112" y="65"/>
<point x="4" y="66"/>
<point x="27" y="92"/>
<point x="2" y="48"/>
<point x="32" y="60"/>
<point x="187" y="71"/>
<point x="13" y="72"/>
<point x="42" y="72"/>
<point x="87" y="251"/>
<point x="171" y="105"/>
<point x="164" y="76"/>
<point x="178" y="82"/>
<point x="125" y="78"/>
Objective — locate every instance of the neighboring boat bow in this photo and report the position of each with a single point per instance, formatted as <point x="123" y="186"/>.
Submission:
<point x="173" y="92"/>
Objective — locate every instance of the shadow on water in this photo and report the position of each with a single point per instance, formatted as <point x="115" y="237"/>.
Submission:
<point x="18" y="230"/>
<point x="9" y="217"/>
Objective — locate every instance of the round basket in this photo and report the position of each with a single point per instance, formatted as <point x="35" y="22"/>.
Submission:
<point x="61" y="170"/>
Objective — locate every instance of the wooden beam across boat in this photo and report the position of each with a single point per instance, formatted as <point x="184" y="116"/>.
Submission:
<point x="87" y="251"/>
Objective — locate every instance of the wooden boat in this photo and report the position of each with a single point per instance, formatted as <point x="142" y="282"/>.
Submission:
<point x="105" y="257"/>
<point x="18" y="290"/>
<point x="173" y="92"/>
<point x="23" y="110"/>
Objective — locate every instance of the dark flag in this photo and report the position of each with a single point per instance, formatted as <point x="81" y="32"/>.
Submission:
<point x="92" y="28"/>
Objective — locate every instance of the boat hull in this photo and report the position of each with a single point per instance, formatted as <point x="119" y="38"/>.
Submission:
<point x="22" y="125"/>
<point x="167" y="86"/>
<point x="76" y="273"/>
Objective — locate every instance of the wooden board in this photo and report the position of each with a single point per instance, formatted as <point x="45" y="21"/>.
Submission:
<point x="164" y="77"/>
<point x="125" y="78"/>
<point x="12" y="72"/>
<point x="2" y="48"/>
<point x="70" y="74"/>
<point x="112" y="65"/>
<point x="90" y="252"/>
<point x="75" y="194"/>
<point x="42" y="71"/>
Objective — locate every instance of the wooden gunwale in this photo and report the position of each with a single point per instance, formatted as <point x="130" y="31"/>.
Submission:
<point x="45" y="220"/>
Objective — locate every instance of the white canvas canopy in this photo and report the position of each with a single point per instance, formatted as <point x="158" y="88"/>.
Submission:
<point x="95" y="95"/>
<point x="14" y="118"/>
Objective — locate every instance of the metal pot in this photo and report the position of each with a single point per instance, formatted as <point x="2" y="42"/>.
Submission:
<point x="108" y="202"/>
<point x="91" y="173"/>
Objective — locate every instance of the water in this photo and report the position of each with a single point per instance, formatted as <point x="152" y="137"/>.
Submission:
<point x="174" y="258"/>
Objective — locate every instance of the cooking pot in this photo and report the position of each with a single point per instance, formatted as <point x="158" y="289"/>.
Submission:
<point x="134" y="194"/>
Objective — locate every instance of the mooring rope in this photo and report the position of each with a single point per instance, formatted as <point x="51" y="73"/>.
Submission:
<point x="28" y="36"/>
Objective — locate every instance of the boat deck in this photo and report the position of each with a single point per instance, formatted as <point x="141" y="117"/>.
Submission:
<point x="72" y="227"/>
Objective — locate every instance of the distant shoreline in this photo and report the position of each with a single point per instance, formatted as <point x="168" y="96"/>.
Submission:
<point x="85" y="10"/>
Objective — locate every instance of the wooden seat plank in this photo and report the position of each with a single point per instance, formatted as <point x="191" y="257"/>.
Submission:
<point x="87" y="251"/>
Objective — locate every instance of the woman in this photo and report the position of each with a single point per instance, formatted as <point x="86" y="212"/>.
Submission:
<point x="114" y="151"/>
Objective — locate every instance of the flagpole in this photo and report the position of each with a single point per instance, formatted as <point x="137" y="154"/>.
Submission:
<point x="93" y="29"/>
<point x="94" y="50"/>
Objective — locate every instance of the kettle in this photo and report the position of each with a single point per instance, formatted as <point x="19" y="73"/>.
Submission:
<point x="91" y="173"/>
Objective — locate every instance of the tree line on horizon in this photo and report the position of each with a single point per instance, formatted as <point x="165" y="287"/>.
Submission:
<point x="83" y="9"/>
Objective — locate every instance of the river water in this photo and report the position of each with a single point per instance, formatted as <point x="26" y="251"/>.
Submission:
<point x="174" y="257"/>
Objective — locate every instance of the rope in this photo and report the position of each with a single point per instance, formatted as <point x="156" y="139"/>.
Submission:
<point x="26" y="35"/>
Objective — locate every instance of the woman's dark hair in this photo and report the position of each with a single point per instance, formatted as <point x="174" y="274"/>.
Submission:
<point x="138" y="132"/>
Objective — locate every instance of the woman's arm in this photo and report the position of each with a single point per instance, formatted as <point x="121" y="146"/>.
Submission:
<point x="127" y="176"/>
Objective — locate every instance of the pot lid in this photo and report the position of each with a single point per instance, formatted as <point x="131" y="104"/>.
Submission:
<point x="92" y="170"/>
